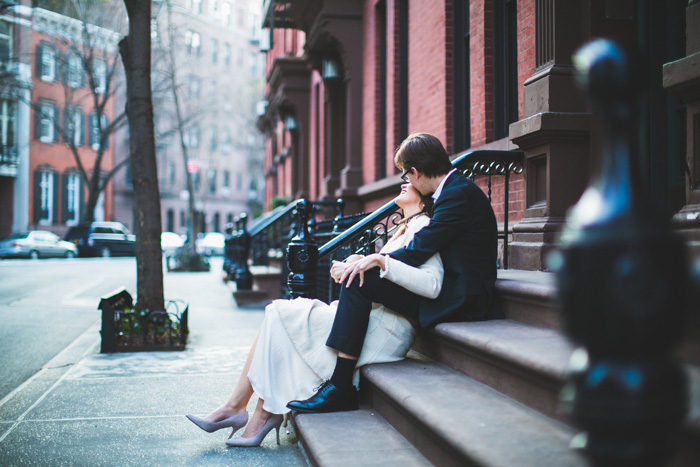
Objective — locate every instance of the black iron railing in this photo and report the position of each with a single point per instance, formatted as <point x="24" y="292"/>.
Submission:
<point x="371" y="232"/>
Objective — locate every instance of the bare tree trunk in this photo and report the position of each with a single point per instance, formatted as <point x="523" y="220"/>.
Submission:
<point x="135" y="49"/>
<point x="192" y="215"/>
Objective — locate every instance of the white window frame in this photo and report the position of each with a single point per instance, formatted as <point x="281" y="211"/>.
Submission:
<point x="8" y="123"/>
<point x="73" y="201"/>
<point x="48" y="64"/>
<point x="226" y="13"/>
<point x="227" y="54"/>
<point x="193" y="42"/>
<point x="6" y="63"/>
<point x="47" y="195"/>
<point x="75" y="68"/>
<point x="100" y="74"/>
<point x="193" y="87"/>
<point x="46" y="126"/>
<point x="77" y="128"/>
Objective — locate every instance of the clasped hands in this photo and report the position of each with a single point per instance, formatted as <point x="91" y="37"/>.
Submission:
<point x="345" y="272"/>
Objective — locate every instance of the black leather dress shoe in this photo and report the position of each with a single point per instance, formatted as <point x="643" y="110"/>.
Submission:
<point x="329" y="398"/>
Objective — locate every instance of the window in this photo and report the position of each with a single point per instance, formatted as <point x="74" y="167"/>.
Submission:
<point x="213" y="140"/>
<point x="73" y="126"/>
<point x="45" y="196"/>
<point x="239" y="181"/>
<point x="74" y="70"/>
<point x="192" y="43"/>
<point x="45" y="117"/>
<point x="214" y="50"/>
<point x="461" y="119"/>
<point x="100" y="75"/>
<point x="46" y="62"/>
<point x="96" y="131"/>
<point x="195" y="181"/>
<point x="211" y="179"/>
<point x="195" y="5"/>
<point x="226" y="142"/>
<point x="505" y="70"/>
<point x="214" y="8"/>
<point x="8" y="126"/>
<point x="72" y="198"/>
<point x="241" y="18"/>
<point x="226" y="13"/>
<point x="240" y="57"/>
<point x="193" y="87"/>
<point x="254" y="28"/>
<point x="192" y="137"/>
<point x="5" y="44"/>
<point x="253" y="63"/>
<point x="226" y="184"/>
<point x="227" y="54"/>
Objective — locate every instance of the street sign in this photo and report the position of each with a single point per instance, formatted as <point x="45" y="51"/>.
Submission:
<point x="192" y="167"/>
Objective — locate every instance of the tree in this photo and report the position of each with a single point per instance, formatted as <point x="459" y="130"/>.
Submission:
<point x="135" y="50"/>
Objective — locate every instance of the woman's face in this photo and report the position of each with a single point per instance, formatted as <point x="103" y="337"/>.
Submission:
<point x="409" y="197"/>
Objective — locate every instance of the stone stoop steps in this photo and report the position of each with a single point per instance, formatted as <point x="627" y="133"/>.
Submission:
<point x="482" y="393"/>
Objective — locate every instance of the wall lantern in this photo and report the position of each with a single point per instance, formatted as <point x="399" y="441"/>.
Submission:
<point x="330" y="69"/>
<point x="290" y="121"/>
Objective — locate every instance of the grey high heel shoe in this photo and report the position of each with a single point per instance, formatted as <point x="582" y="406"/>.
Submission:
<point x="273" y="422"/>
<point x="236" y="422"/>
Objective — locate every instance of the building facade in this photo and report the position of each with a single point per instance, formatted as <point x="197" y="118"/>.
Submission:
<point x="219" y="76"/>
<point x="348" y="81"/>
<point x="15" y="115"/>
<point x="65" y="115"/>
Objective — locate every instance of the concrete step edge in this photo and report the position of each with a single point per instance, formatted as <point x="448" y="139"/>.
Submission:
<point x="349" y="439"/>
<point x="455" y="420"/>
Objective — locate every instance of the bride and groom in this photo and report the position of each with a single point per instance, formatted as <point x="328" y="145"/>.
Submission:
<point x="439" y="266"/>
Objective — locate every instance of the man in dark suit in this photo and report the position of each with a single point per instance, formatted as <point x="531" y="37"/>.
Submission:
<point x="462" y="229"/>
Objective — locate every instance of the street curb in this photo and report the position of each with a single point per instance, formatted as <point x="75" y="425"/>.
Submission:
<point x="66" y="359"/>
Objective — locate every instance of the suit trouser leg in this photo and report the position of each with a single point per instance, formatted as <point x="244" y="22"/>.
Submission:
<point x="355" y="305"/>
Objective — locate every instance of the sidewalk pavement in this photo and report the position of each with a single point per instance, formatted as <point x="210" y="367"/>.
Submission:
<point x="87" y="408"/>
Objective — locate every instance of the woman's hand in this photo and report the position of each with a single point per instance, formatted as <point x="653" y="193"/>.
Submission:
<point x="359" y="267"/>
<point x="338" y="267"/>
<point x="354" y="258"/>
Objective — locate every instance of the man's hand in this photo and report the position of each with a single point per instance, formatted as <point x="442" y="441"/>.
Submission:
<point x="359" y="267"/>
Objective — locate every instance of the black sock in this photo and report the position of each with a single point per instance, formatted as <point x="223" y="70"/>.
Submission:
<point x="342" y="375"/>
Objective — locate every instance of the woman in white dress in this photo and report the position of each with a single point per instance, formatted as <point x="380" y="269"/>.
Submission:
<point x="289" y="357"/>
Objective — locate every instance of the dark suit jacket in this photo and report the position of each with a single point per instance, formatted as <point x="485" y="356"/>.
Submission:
<point x="463" y="229"/>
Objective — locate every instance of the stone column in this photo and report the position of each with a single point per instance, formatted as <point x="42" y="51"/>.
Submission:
<point x="682" y="78"/>
<point x="554" y="133"/>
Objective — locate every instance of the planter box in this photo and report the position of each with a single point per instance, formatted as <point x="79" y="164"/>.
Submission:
<point x="124" y="329"/>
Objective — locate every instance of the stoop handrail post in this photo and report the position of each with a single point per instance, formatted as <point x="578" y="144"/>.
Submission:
<point x="623" y="285"/>
<point x="302" y="255"/>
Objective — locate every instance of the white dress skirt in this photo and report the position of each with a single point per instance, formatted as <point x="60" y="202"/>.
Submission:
<point x="291" y="358"/>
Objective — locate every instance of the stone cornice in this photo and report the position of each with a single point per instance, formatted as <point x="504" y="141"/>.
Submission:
<point x="62" y="27"/>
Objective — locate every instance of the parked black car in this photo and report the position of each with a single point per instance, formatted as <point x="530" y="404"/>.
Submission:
<point x="102" y="239"/>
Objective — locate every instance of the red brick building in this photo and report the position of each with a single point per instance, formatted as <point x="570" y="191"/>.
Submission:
<point x="63" y="108"/>
<point x="348" y="81"/>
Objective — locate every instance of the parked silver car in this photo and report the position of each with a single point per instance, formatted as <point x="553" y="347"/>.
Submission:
<point x="36" y="244"/>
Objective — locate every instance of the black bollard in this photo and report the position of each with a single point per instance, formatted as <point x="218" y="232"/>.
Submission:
<point x="244" y="279"/>
<point x="302" y="255"/>
<point x="623" y="288"/>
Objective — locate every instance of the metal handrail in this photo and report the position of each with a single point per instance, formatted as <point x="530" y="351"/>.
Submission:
<point x="474" y="163"/>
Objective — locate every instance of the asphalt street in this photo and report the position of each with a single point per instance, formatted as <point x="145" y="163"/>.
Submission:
<point x="46" y="304"/>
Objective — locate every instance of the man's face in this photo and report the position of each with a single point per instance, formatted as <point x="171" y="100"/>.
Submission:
<point x="417" y="180"/>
